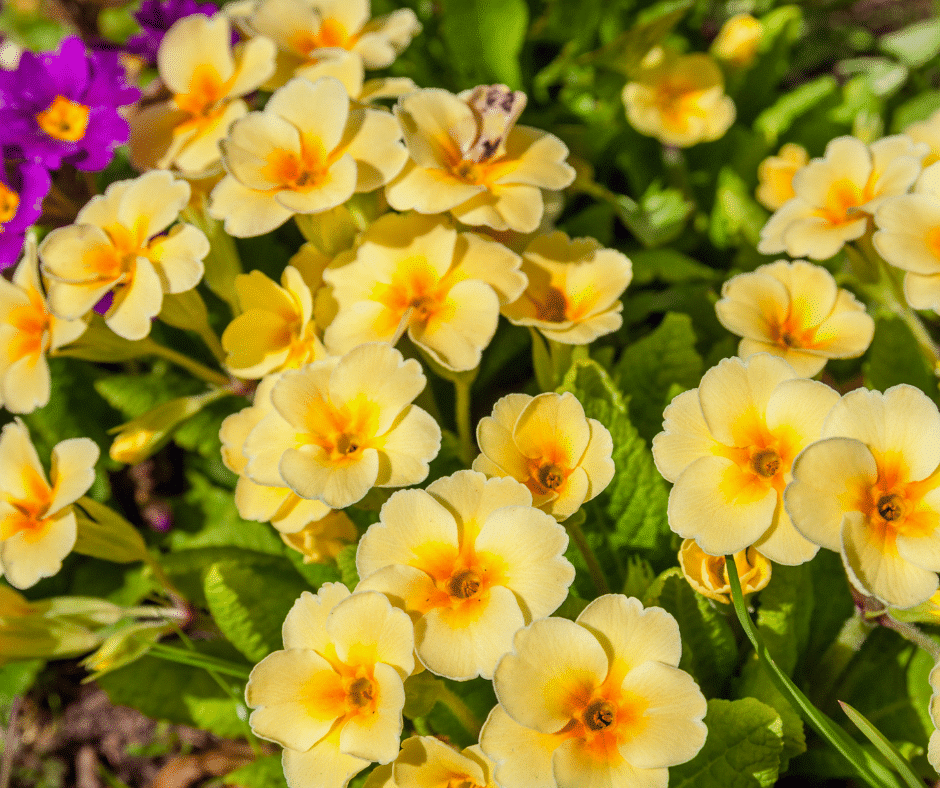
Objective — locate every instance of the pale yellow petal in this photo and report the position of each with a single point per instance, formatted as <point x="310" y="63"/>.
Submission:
<point x="523" y="756"/>
<point x="373" y="139"/>
<point x="26" y="384"/>
<point x="72" y="472"/>
<point x="631" y="633"/>
<point x="178" y="257"/>
<point x="375" y="736"/>
<point x="333" y="188"/>
<point x="365" y="629"/>
<point x="436" y="123"/>
<point x="575" y="766"/>
<point x="799" y="407"/>
<point x="783" y="544"/>
<point x="428" y="189"/>
<point x="20" y="470"/>
<point x="412" y="442"/>
<point x="254" y="63"/>
<point x="554" y="427"/>
<point x="510" y="206"/>
<point x="685" y="436"/>
<point x="246" y="212"/>
<point x="922" y="292"/>
<point x="323" y="127"/>
<point x="481" y="258"/>
<point x="195" y="42"/>
<point x="322" y="766"/>
<point x="27" y="557"/>
<point x="305" y="624"/>
<point x="136" y="303"/>
<point x="310" y="473"/>
<point x="472" y="498"/>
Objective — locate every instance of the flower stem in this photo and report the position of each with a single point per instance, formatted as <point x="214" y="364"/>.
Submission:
<point x="223" y="262"/>
<point x="458" y="707"/>
<point x="201" y="371"/>
<point x="913" y="634"/>
<point x="573" y="526"/>
<point x="462" y="384"/>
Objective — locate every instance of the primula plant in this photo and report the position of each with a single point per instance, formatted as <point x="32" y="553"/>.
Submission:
<point x="469" y="394"/>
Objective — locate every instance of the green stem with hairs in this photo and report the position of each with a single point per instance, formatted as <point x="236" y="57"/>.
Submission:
<point x="461" y="711"/>
<point x="573" y="527"/>
<point x="201" y="371"/>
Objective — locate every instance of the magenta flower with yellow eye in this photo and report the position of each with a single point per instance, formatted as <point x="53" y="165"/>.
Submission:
<point x="471" y="561"/>
<point x="598" y="701"/>
<point x="870" y="490"/>
<point x="548" y="444"/>
<point x="333" y="697"/>
<point x="728" y="447"/>
<point x="417" y="273"/>
<point x="794" y="310"/>
<point x="287" y="160"/>
<point x="469" y="157"/>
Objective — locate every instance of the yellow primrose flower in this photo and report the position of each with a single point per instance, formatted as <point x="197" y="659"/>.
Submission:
<point x="794" y="310"/>
<point x="548" y="444"/>
<point x="928" y="133"/>
<point x="275" y="330"/>
<point x="870" y="490"/>
<point x="728" y="446"/>
<point x="426" y="762"/>
<point x="288" y="159"/>
<point x="908" y="237"/>
<point x="417" y="272"/>
<point x="679" y="99"/>
<point x="469" y="157"/>
<point x="775" y="175"/>
<point x="321" y="541"/>
<point x="347" y="67"/>
<point x="277" y="504"/>
<point x="596" y="701"/>
<point x="37" y="525"/>
<point x="574" y="289"/>
<point x="738" y="39"/>
<point x="933" y="748"/>
<point x="310" y="32"/>
<point x="333" y="697"/>
<point x="340" y="426"/>
<point x="206" y="80"/>
<point x="471" y="562"/>
<point x="118" y="243"/>
<point x="28" y="331"/>
<point x="708" y="574"/>
<point x="837" y="194"/>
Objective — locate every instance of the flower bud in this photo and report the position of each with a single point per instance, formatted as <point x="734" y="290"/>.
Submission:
<point x="708" y="575"/>
<point x="738" y="40"/>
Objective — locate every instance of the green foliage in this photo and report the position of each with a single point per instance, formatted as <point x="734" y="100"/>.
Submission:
<point x="709" y="650"/>
<point x="636" y="498"/>
<point x="894" y="358"/>
<point x="250" y="603"/>
<point x="266" y="772"/>
<point x="743" y="748"/>
<point x="648" y="368"/>
<point x="485" y="38"/>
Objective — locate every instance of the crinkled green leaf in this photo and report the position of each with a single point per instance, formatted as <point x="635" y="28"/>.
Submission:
<point x="784" y="614"/>
<point x="266" y="772"/>
<point x="783" y="113"/>
<point x="736" y="215"/>
<point x="668" y="265"/>
<point x="650" y="366"/>
<point x="755" y="682"/>
<point x="709" y="650"/>
<point x="485" y="38"/>
<point x="346" y="561"/>
<point x="743" y="748"/>
<point x="914" y="45"/>
<point x="636" y="498"/>
<point x="186" y="568"/>
<point x="895" y="358"/>
<point x="919" y="108"/>
<point x="249" y="603"/>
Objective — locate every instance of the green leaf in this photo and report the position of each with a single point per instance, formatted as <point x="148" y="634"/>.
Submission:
<point x="134" y="395"/>
<point x="15" y="679"/>
<point x="653" y="25"/>
<point x="886" y="748"/>
<point x="742" y="750"/>
<point x="782" y="114"/>
<point x="106" y="534"/>
<point x="250" y="604"/>
<point x="736" y="215"/>
<point x="916" y="109"/>
<point x="915" y="45"/>
<point x="485" y="38"/>
<point x="186" y="568"/>
<point x="266" y="772"/>
<point x="669" y="266"/>
<point x="709" y="651"/>
<point x="784" y="614"/>
<point x="346" y="561"/>
<point x="180" y="693"/>
<point x="636" y="498"/>
<point x="895" y="358"/>
<point x="648" y="368"/>
<point x="756" y="683"/>
<point x="422" y="691"/>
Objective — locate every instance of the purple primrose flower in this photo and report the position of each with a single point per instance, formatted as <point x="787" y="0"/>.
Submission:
<point x="23" y="185"/>
<point x="156" y="17"/>
<point x="62" y="106"/>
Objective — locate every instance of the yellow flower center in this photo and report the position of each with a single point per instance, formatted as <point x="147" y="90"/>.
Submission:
<point x="332" y="34"/>
<point x="298" y="173"/>
<point x="933" y="241"/>
<point x="464" y="585"/>
<point x="64" y="119"/>
<point x="891" y="507"/>
<point x="206" y="89"/>
<point x="552" y="307"/>
<point x="766" y="463"/>
<point x="347" y="444"/>
<point x="600" y="715"/>
<point x="9" y="204"/>
<point x="551" y="477"/>
<point x="416" y="286"/>
<point x="361" y="693"/>
<point x="841" y="200"/>
<point x="30" y="515"/>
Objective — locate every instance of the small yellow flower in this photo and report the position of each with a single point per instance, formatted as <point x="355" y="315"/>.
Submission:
<point x="426" y="762"/>
<point x="794" y="310"/>
<point x="118" y="243"/>
<point x="206" y="79"/>
<point x="927" y="132"/>
<point x="574" y="289"/>
<point x="340" y="426"/>
<point x="28" y="331"/>
<point x="837" y="194"/>
<point x="311" y="32"/>
<point x="708" y="574"/>
<point x="775" y="175"/>
<point x="321" y="541"/>
<point x="471" y="562"/>
<point x="37" y="525"/>
<point x="275" y="330"/>
<point x="418" y="273"/>
<point x="548" y="444"/>
<point x="738" y="40"/>
<point x="728" y="446"/>
<point x="596" y="701"/>
<point x="277" y="504"/>
<point x="287" y="160"/>
<point x="333" y="697"/>
<point x="908" y="237"/>
<point x="679" y="99"/>
<point x="469" y="157"/>
<point x="870" y="490"/>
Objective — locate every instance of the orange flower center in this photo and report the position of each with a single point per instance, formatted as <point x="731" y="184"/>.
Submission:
<point x="301" y="173"/>
<point x="360" y="693"/>
<point x="552" y="307"/>
<point x="9" y="204"/>
<point x="766" y="463"/>
<point x="344" y="433"/>
<point x="933" y="241"/>
<point x="464" y="585"/>
<point x="599" y="715"/>
<point x="416" y="286"/>
<point x="842" y="200"/>
<point x="206" y="89"/>
<point x="32" y="323"/>
<point x="332" y="34"/>
<point x="895" y="508"/>
<point x="550" y="477"/>
<point x="64" y="119"/>
<point x="30" y="514"/>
